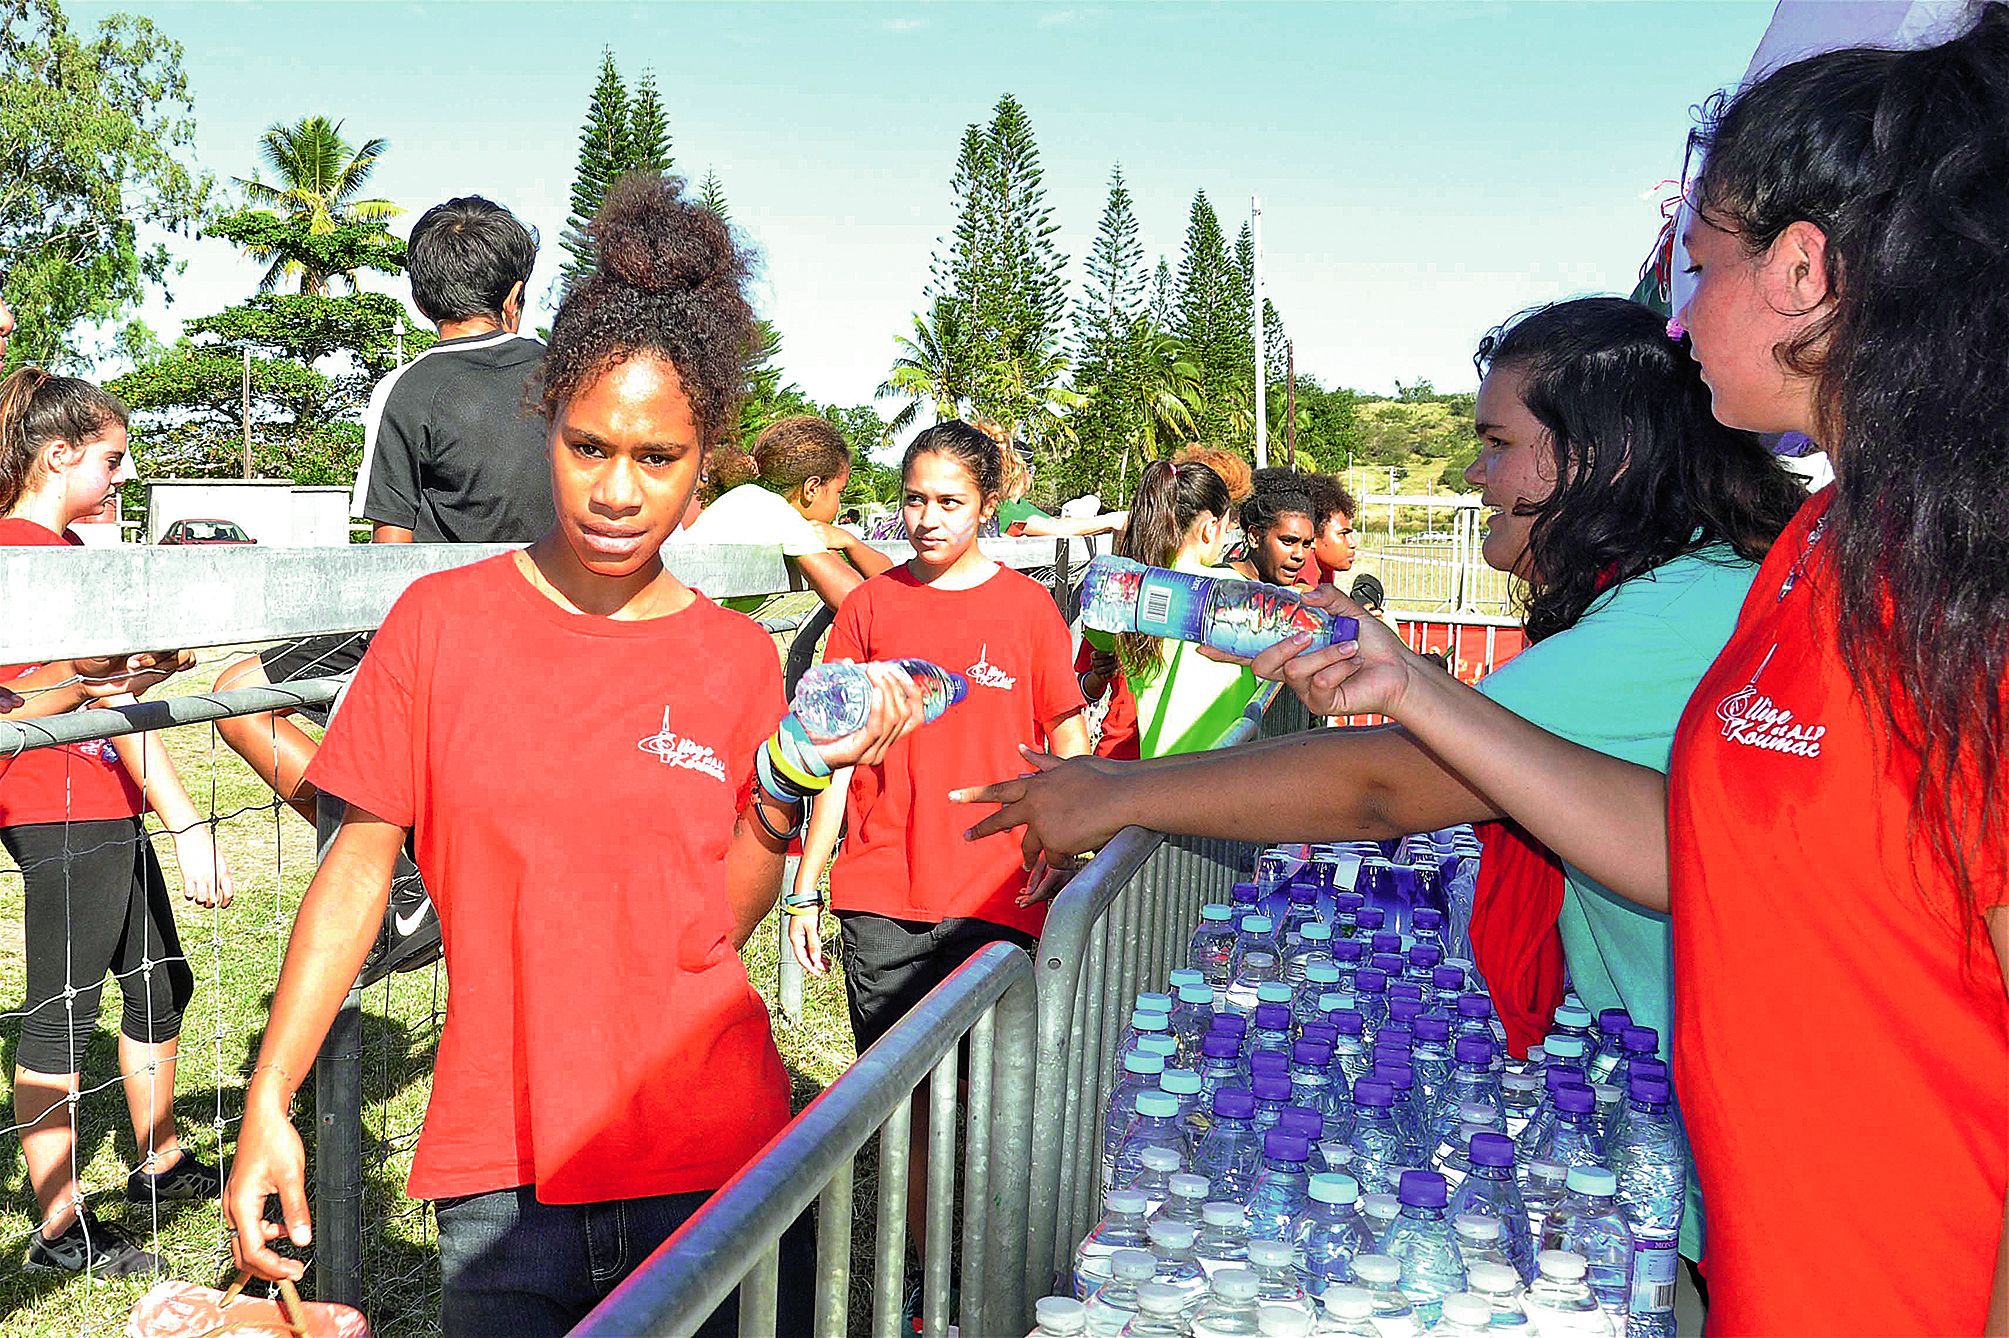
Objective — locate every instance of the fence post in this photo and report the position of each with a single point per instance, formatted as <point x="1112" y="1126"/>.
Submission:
<point x="338" y="1131"/>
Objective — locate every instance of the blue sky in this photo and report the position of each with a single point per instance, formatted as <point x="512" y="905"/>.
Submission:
<point x="1425" y="168"/>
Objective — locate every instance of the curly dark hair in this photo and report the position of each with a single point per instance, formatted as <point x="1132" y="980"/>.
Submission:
<point x="1329" y="498"/>
<point x="791" y="451"/>
<point x="669" y="281"/>
<point x="1901" y="158"/>
<point x="1645" y="472"/>
<point x="1262" y="508"/>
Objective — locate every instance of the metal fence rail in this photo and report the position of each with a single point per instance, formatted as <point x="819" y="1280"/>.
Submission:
<point x="1124" y="919"/>
<point x="985" y="1011"/>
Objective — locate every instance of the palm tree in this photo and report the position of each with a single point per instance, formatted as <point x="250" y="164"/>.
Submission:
<point x="318" y="178"/>
<point x="1170" y="391"/>
<point x="929" y="368"/>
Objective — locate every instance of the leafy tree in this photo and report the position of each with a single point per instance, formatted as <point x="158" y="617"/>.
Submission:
<point x="308" y="328"/>
<point x="1110" y="327"/>
<point x="94" y="136"/>
<point x="292" y="245"/>
<point x="769" y="396"/>
<point x="648" y="129"/>
<point x="319" y="179"/>
<point x="605" y="149"/>
<point x="1164" y="297"/>
<point x="1210" y="318"/>
<point x="927" y="369"/>
<point x="711" y="194"/>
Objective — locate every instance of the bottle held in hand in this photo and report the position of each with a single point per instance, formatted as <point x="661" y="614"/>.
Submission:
<point x="834" y="700"/>
<point x="1237" y="617"/>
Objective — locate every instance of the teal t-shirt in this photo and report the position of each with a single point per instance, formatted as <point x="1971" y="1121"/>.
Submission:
<point x="1618" y="682"/>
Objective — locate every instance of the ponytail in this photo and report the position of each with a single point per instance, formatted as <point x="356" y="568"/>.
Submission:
<point x="1170" y="498"/>
<point x="37" y="409"/>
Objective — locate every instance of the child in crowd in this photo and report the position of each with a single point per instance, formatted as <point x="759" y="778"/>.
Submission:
<point x="1277" y="535"/>
<point x="95" y="899"/>
<point x="803" y="464"/>
<point x="1335" y="542"/>
<point x="1180" y="702"/>
<point x="605" y="1063"/>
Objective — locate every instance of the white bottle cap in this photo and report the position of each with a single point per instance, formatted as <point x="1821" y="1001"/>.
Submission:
<point x="1593" y="1180"/>
<point x="1132" y="1265"/>
<point x="1562" y="1264"/>
<point x="1385" y="1206"/>
<point x="1474" y="1312"/>
<point x="1063" y="1314"/>
<point x="1186" y="1185"/>
<point x="1173" y="1235"/>
<point x="1476" y="1226"/>
<point x="1269" y="1253"/>
<point x="1477" y="1112"/>
<point x="1378" y="1269"/>
<point x="1219" y="1213"/>
<point x="1125" y="1201"/>
<point x="1349" y="1302"/>
<point x="1236" y="1284"/>
<point x="1160" y="1298"/>
<point x="1487" y="1276"/>
<point x="1157" y="1158"/>
<point x="1282" y="1321"/>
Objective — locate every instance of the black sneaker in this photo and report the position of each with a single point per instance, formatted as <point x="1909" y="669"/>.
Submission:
<point x="184" y="1182"/>
<point x="410" y="936"/>
<point x="89" y="1244"/>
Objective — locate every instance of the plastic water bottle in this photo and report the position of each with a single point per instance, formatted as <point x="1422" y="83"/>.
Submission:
<point x="1378" y="1143"/>
<point x="1220" y="1064"/>
<point x="1279" y="1193"/>
<point x="1610" y="1035"/>
<point x="1211" y="950"/>
<point x="1466" y="1315"/>
<point x="1310" y="942"/>
<point x="1475" y="1016"/>
<point x="1272" y="1093"/>
<point x="1223" y="1242"/>
<point x="1121" y="1228"/>
<point x="1183" y="1086"/>
<point x="1059" y="1317"/>
<point x="1563" y="1051"/>
<point x="1114" y="1303"/>
<point x="1277" y="1284"/>
<point x="1231" y="1152"/>
<point x="1141" y="1071"/>
<point x="1154" y="1180"/>
<point x="1240" y="617"/>
<point x="1637" y="1043"/>
<point x="834" y="700"/>
<point x="1521" y="1098"/>
<point x="1371" y="986"/>
<point x="1380" y="1277"/>
<point x="1329" y="1232"/>
<point x="1154" y="1001"/>
<point x="1589" y="1222"/>
<point x="1253" y="970"/>
<point x="1543" y="1120"/>
<point x="1650" y="1159"/>
<point x="1192" y="1017"/>
<point x="1480" y="1239"/>
<point x="1430" y="1056"/>
<point x="1183" y="975"/>
<point x="1352" y="1053"/>
<point x="1606" y="1114"/>
<point x="1408" y="1109"/>
<point x="1470" y="1082"/>
<point x="1503" y="1290"/>
<point x="1575" y="1020"/>
<point x="1310" y="1084"/>
<point x="1452" y="1157"/>
<point x="1379" y="1211"/>
<point x="1421" y="1242"/>
<point x="1419" y="964"/>
<point x="1321" y="977"/>
<point x="1230" y="1311"/>
<point x="1254" y="932"/>
<point x="1185" y="1192"/>
<point x="1542" y="1185"/>
<point x="1347" y="1311"/>
<point x="1300" y="909"/>
<point x="1447" y="986"/>
<point x="1560" y="1302"/>
<point x="1178" y="1267"/>
<point x="1574" y="1139"/>
<point x="1142" y="1023"/>
<point x="1272" y="1029"/>
<point x="1161" y="1313"/>
<point x="1491" y="1189"/>
<point x="1426" y="926"/>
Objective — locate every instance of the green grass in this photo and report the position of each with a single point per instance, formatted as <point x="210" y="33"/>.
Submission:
<point x="236" y="953"/>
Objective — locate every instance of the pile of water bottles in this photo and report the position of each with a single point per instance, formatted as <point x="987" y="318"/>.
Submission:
<point x="1315" y="1130"/>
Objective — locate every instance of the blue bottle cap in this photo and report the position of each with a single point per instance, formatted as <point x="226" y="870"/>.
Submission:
<point x="1148" y="1020"/>
<point x="1179" y="1082"/>
<point x="1321" y="973"/>
<point x="1303" y="1121"/>
<point x="1334" y="1187"/>
<point x="1426" y="917"/>
<point x="1575" y="1099"/>
<point x="1426" y="955"/>
<point x="1387" y="963"/>
<point x="1221" y="1045"/>
<point x="1196" y="994"/>
<point x="1186" y="975"/>
<point x="1400" y="1076"/>
<point x="1154" y="1002"/>
<point x="1374" y="1092"/>
<point x="1447" y="978"/>
<point x="1349" y="1021"/>
<point x="1287" y="1148"/>
<point x="1348" y="951"/>
<point x="1232" y="1023"/>
<point x="1641" y="1040"/>
<point x="1159" y="1105"/>
<point x="1612" y="1021"/>
<point x="1648" y="1091"/>
<point x="1645" y="1067"/>
<point x="1474" y="1005"/>
<point x="1492" y="1150"/>
<point x="1311" y="1053"/>
<point x="1433" y="1029"/>
<point x="1348" y="901"/>
<point x="1475" y="1051"/>
<point x="1398" y="1034"/>
<point x="1318" y="931"/>
<point x="1424" y="1189"/>
<point x="1244" y="893"/>
<point x="1319" y="1033"/>
<point x="1143" y="1061"/>
<point x="1158" y="1043"/>
<point x="1269" y="1061"/>
<point x="1404" y="1010"/>
<point x="1215" y="911"/>
<point x="1234" y="1103"/>
<point x="1370" y="981"/>
<point x="1277" y="1087"/>
<point x="1256" y="924"/>
<point x="1273" y="992"/>
<point x="1272" y="1017"/>
<point x="1388" y="941"/>
<point x="1592" y="1180"/>
<point x="1369" y="918"/>
<point x="1302" y="893"/>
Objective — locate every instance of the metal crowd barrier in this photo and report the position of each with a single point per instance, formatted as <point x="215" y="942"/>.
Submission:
<point x="733" y="1242"/>
<point x="1118" y="927"/>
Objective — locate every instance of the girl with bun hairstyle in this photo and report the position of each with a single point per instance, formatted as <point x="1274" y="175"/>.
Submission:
<point x="605" y="1064"/>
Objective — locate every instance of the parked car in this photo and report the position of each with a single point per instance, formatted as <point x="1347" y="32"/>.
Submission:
<point x="206" y="532"/>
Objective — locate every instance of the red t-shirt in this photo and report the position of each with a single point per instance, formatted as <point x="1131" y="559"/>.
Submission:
<point x="906" y="857"/>
<point x="572" y="783"/>
<point x="1120" y="738"/>
<point x="1841" y="1037"/>
<point x="76" y="782"/>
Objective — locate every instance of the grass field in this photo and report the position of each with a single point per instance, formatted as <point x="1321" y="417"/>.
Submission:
<point x="236" y="953"/>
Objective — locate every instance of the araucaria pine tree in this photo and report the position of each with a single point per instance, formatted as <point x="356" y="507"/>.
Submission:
<point x="1111" y="327"/>
<point x="621" y="135"/>
<point x="648" y="129"/>
<point x="1211" y="318"/>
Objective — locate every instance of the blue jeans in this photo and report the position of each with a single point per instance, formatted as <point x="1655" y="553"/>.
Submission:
<point x="511" y="1265"/>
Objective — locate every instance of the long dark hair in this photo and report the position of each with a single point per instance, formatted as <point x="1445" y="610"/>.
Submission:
<point x="36" y="409"/>
<point x="1902" y="159"/>
<point x="1644" y="471"/>
<point x="1169" y="499"/>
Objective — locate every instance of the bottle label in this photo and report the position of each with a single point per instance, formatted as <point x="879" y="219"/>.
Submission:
<point x="1171" y="603"/>
<point x="1654" y="1264"/>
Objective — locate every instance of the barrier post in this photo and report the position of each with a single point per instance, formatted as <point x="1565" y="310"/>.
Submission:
<point x="338" y="1129"/>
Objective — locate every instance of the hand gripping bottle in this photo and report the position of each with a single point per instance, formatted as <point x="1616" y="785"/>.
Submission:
<point x="1239" y="617"/>
<point x="834" y="700"/>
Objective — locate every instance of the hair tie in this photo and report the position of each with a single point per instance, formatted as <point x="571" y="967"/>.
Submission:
<point x="1675" y="329"/>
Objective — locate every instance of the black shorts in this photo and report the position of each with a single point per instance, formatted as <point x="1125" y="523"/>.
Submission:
<point x="889" y="965"/>
<point x="314" y="657"/>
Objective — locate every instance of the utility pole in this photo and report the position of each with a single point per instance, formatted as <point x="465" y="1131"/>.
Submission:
<point x="1256" y="319"/>
<point x="247" y="411"/>
<point x="1290" y="401"/>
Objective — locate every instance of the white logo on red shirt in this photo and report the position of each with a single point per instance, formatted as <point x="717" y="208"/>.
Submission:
<point x="674" y="750"/>
<point x="987" y="674"/>
<point x="1756" y="721"/>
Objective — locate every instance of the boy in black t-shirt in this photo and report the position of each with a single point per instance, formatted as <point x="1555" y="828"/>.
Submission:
<point x="451" y="454"/>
